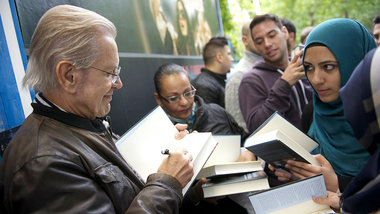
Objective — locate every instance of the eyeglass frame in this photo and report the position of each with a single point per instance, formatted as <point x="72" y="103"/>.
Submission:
<point x="115" y="74"/>
<point x="191" y="92"/>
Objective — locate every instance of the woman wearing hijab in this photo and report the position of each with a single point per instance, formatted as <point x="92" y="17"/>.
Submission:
<point x="332" y="51"/>
<point x="362" y="112"/>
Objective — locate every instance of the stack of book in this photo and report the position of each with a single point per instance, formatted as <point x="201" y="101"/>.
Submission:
<point x="225" y="175"/>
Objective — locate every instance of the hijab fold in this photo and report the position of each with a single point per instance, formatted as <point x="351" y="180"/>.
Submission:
<point x="349" y="41"/>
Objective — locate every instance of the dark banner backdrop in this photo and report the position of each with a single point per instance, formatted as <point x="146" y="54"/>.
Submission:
<point x="150" y="33"/>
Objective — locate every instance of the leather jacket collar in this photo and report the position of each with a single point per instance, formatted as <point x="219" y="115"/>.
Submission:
<point x="69" y="118"/>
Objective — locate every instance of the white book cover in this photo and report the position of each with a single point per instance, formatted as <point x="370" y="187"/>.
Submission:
<point x="227" y="150"/>
<point x="223" y="160"/>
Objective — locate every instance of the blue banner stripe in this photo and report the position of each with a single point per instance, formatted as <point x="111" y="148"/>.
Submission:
<point x="12" y="106"/>
<point x="16" y="25"/>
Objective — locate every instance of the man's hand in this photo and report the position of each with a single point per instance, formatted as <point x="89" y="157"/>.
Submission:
<point x="304" y="170"/>
<point x="294" y="71"/>
<point x="178" y="164"/>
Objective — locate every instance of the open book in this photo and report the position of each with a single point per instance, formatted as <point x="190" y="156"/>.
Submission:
<point x="141" y="146"/>
<point x="294" y="197"/>
<point x="277" y="140"/>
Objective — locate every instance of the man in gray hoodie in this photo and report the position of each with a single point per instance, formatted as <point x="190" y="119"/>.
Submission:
<point x="274" y="84"/>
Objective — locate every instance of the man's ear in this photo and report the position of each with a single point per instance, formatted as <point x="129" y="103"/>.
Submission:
<point x="219" y="56"/>
<point x="67" y="76"/>
<point x="157" y="98"/>
<point x="285" y="32"/>
<point x="244" y="39"/>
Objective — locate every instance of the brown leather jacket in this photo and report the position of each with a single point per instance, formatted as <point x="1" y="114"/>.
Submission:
<point x="61" y="163"/>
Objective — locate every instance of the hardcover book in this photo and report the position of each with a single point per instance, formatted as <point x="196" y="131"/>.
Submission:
<point x="277" y="140"/>
<point x="235" y="183"/>
<point x="230" y="168"/>
<point x="141" y="146"/>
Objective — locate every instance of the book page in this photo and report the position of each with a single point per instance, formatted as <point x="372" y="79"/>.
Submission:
<point x="288" y="195"/>
<point x="310" y="206"/>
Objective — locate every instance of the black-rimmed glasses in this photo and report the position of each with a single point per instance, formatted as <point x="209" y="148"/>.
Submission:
<point x="115" y="73"/>
<point x="175" y="99"/>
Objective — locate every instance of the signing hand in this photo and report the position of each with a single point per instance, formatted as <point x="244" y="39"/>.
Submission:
<point x="178" y="164"/>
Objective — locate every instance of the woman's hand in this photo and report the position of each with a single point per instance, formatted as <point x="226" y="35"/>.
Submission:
<point x="282" y="175"/>
<point x="246" y="155"/>
<point x="182" y="131"/>
<point x="304" y="170"/>
<point x="332" y="200"/>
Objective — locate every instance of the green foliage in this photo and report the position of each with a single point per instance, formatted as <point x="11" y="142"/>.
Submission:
<point x="312" y="12"/>
<point x="229" y="27"/>
<point x="226" y="16"/>
<point x="233" y="30"/>
<point x="302" y="12"/>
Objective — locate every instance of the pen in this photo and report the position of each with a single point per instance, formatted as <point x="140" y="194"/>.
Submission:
<point x="165" y="152"/>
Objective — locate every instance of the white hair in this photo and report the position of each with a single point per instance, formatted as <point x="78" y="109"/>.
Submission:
<point x="67" y="33"/>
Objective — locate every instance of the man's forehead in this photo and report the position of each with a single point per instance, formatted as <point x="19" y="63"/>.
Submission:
<point x="264" y="28"/>
<point x="223" y="49"/>
<point x="226" y="48"/>
<point x="376" y="28"/>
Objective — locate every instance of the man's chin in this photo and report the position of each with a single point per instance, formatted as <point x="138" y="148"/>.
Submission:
<point x="105" y="111"/>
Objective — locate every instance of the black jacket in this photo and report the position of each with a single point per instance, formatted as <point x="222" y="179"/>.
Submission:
<point x="213" y="118"/>
<point x="62" y="163"/>
<point x="210" y="86"/>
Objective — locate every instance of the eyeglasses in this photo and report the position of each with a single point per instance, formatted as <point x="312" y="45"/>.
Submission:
<point x="175" y="99"/>
<point x="115" y="73"/>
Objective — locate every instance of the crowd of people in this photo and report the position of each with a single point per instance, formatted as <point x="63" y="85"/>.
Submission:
<point x="67" y="160"/>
